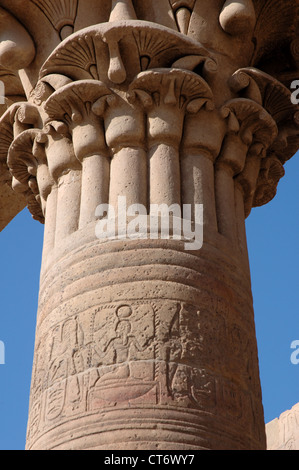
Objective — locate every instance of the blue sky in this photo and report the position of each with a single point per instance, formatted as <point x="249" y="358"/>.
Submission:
<point x="272" y="233"/>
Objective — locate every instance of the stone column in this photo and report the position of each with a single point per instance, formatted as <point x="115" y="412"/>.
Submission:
<point x="282" y="432"/>
<point x="149" y="342"/>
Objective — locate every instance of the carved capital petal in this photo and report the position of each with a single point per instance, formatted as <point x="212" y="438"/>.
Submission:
<point x="256" y="125"/>
<point x="46" y="86"/>
<point x="251" y="131"/>
<point x="251" y="122"/>
<point x="180" y="88"/>
<point x="59" y="149"/>
<point x="6" y="138"/>
<point x="266" y="90"/>
<point x="80" y="105"/>
<point x="61" y="14"/>
<point x="270" y="174"/>
<point x="167" y="95"/>
<point x="28" y="166"/>
<point x="276" y="100"/>
<point x="18" y="118"/>
<point x="114" y="52"/>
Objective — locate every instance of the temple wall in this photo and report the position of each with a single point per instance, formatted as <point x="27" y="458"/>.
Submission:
<point x="283" y="432"/>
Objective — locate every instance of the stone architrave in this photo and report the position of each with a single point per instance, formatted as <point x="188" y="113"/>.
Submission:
<point x="147" y="341"/>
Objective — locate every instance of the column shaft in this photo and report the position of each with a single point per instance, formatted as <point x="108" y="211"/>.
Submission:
<point x="141" y="364"/>
<point x="164" y="175"/>
<point x="50" y="222"/>
<point x="129" y="176"/>
<point x="198" y="185"/>
<point x="94" y="186"/>
<point x="68" y="204"/>
<point x="225" y="202"/>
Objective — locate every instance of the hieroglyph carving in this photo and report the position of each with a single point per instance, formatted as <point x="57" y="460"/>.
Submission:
<point x="135" y="353"/>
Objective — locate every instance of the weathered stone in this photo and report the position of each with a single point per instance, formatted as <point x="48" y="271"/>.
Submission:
<point x="147" y="342"/>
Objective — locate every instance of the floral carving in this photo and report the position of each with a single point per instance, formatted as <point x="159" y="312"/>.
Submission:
<point x="101" y="52"/>
<point x="61" y="14"/>
<point x="25" y="160"/>
<point x="155" y="103"/>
